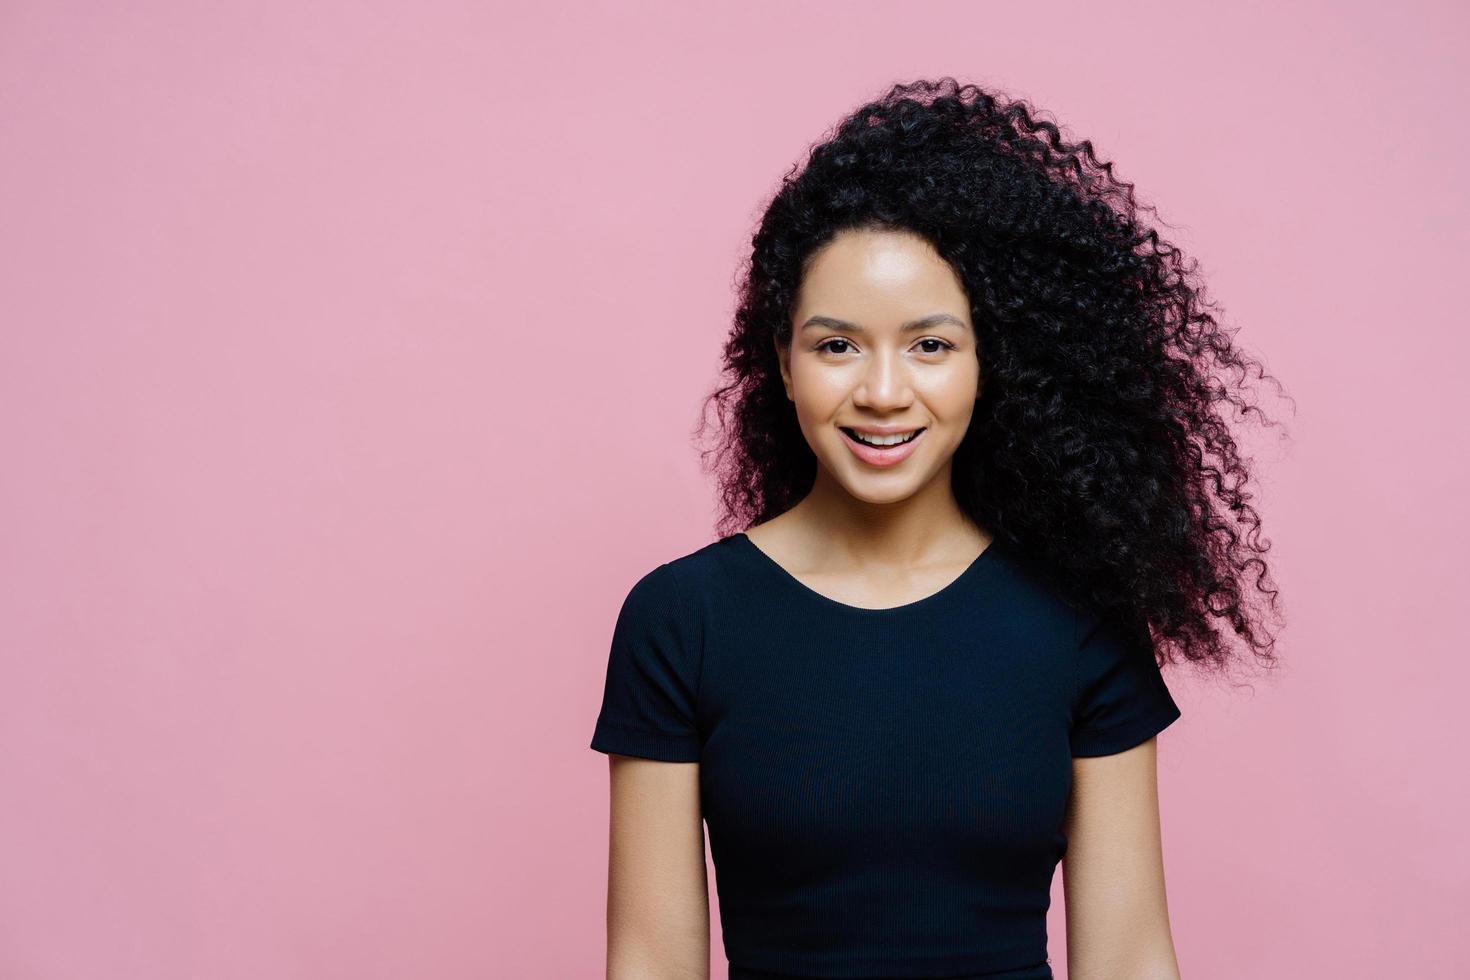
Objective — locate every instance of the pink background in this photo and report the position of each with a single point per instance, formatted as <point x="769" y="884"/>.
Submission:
<point x="351" y="356"/>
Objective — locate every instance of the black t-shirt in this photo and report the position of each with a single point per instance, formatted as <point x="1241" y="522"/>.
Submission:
<point x="884" y="788"/>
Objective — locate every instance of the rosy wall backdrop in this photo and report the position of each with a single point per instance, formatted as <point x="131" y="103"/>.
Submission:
<point x="351" y="355"/>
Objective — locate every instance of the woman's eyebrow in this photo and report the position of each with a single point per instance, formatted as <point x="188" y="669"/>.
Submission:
<point x="923" y="323"/>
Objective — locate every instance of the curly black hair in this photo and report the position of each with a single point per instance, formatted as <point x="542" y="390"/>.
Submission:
<point x="1098" y="446"/>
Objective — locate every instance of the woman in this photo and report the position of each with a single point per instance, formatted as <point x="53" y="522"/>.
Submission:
<point x="972" y="440"/>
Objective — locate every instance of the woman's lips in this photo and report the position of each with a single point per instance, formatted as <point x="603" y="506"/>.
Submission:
<point x="885" y="455"/>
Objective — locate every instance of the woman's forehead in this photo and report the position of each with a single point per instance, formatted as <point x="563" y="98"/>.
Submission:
<point x="880" y="280"/>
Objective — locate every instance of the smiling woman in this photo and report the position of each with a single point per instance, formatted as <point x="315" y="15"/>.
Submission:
<point x="974" y="478"/>
<point x="865" y="365"/>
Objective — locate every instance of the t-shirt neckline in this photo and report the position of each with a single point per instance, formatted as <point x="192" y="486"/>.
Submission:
<point x="956" y="585"/>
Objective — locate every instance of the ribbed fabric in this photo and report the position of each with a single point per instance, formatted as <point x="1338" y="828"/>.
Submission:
<point x="884" y="788"/>
<point x="1039" y="971"/>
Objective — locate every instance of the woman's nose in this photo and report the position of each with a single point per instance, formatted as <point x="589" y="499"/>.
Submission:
<point x="885" y="383"/>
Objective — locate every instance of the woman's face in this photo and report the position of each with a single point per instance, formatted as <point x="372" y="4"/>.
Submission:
<point x="882" y="339"/>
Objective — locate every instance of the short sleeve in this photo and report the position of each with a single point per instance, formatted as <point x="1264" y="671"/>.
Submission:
<point x="1121" y="698"/>
<point x="649" y="700"/>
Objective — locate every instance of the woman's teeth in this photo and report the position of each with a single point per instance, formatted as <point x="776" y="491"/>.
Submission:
<point x="892" y="440"/>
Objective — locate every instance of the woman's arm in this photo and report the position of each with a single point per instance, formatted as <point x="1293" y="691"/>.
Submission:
<point x="1113" y="871"/>
<point x="657" y="892"/>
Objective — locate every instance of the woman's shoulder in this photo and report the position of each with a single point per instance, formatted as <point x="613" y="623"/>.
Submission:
<point x="704" y="565"/>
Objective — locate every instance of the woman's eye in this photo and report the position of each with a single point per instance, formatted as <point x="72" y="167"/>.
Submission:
<point x="942" y="345"/>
